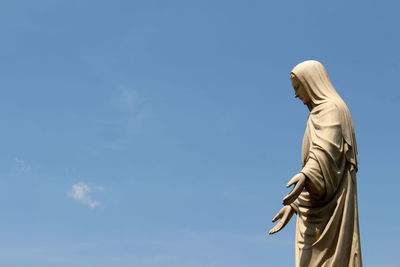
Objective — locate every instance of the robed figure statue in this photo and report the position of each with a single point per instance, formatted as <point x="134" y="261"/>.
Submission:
<point x="324" y="196"/>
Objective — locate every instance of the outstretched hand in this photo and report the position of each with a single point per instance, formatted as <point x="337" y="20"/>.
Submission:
<point x="285" y="214"/>
<point x="299" y="180"/>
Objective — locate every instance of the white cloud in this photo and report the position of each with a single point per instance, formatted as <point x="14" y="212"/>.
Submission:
<point x="21" y="166"/>
<point x="82" y="192"/>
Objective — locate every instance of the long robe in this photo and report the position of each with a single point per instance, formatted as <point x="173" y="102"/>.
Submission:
<point x="327" y="229"/>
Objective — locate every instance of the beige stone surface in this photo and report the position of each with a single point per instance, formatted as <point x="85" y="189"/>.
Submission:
<point x="324" y="195"/>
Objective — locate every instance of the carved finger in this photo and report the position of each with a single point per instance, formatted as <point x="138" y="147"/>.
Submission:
<point x="291" y="196"/>
<point x="276" y="228"/>
<point x="292" y="181"/>
<point x="277" y="216"/>
<point x="288" y="199"/>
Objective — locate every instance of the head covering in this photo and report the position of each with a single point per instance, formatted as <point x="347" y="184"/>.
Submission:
<point x="315" y="80"/>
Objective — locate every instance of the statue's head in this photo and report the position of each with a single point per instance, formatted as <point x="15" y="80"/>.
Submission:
<point x="311" y="83"/>
<point x="299" y="90"/>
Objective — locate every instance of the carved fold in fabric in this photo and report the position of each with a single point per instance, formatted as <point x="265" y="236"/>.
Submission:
<point x="327" y="232"/>
<point x="315" y="184"/>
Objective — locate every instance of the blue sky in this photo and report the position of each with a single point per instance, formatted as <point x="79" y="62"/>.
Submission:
<point x="162" y="133"/>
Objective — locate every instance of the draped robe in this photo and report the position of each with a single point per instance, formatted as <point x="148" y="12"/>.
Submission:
<point x="327" y="229"/>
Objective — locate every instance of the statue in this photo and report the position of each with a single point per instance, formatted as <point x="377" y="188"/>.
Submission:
<point x="324" y="195"/>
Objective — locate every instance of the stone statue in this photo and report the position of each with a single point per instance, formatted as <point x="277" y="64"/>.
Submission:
<point x="324" y="196"/>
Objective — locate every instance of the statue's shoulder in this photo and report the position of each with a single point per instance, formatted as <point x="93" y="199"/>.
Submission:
<point x="327" y="111"/>
<point x="327" y="106"/>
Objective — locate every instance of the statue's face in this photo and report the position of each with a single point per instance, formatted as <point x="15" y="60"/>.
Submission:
<point x="299" y="91"/>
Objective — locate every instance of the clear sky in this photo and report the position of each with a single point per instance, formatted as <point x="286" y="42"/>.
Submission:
<point x="162" y="133"/>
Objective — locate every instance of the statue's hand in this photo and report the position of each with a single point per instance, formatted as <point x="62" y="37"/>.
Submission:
<point x="300" y="181"/>
<point x="285" y="214"/>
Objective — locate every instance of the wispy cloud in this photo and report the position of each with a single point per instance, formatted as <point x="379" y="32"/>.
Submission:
<point x="83" y="193"/>
<point x="135" y="107"/>
<point x="133" y="113"/>
<point x="21" y="166"/>
<point x="128" y="100"/>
